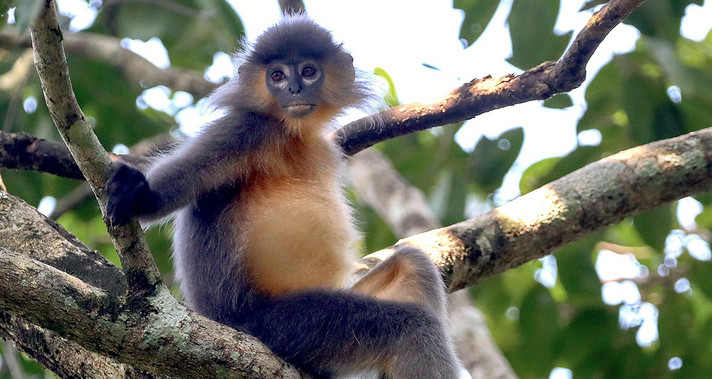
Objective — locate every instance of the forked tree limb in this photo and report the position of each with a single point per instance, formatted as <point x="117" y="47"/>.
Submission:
<point x="486" y="94"/>
<point x="50" y="281"/>
<point x="85" y="148"/>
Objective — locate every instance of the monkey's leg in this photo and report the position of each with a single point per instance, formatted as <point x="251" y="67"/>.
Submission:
<point x="407" y="275"/>
<point x="340" y="332"/>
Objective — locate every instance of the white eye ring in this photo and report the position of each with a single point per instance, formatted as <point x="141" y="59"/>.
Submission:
<point x="309" y="71"/>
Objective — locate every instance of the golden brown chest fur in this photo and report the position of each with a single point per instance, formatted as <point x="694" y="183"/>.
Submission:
<point x="295" y="224"/>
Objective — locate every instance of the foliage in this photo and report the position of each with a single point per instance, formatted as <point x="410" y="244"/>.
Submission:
<point x="659" y="90"/>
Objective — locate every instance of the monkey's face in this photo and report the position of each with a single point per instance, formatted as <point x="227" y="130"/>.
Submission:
<point x="296" y="86"/>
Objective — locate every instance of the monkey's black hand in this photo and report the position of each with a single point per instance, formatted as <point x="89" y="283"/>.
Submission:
<point x="129" y="194"/>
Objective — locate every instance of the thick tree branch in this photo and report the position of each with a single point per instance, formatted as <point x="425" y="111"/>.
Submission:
<point x="23" y="228"/>
<point x="171" y="340"/>
<point x="34" y="279"/>
<point x="486" y="94"/>
<point x="90" y="156"/>
<point x="64" y="357"/>
<point x="586" y="200"/>
<point x="39" y="293"/>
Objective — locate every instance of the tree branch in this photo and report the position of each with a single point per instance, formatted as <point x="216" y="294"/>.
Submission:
<point x="22" y="151"/>
<point x="586" y="200"/>
<point x="24" y="229"/>
<point x="486" y="94"/>
<point x="170" y="340"/>
<point x="64" y="357"/>
<point x="90" y="156"/>
<point x="291" y="6"/>
<point x="34" y="279"/>
<point x="135" y="67"/>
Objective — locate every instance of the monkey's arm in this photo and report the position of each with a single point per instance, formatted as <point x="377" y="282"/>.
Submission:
<point x="215" y="158"/>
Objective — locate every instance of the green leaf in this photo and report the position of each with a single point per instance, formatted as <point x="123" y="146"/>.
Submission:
<point x="26" y="12"/>
<point x="391" y="97"/>
<point x="491" y="159"/>
<point x="560" y="101"/>
<point x="651" y="113"/>
<point x="654" y="225"/>
<point x="702" y="275"/>
<point x="112" y="104"/>
<point x="625" y="234"/>
<point x="550" y="169"/>
<point x="590" y="333"/>
<point x="191" y="30"/>
<point x="676" y="320"/>
<point x="604" y="108"/>
<point x="530" y="23"/>
<point x="539" y="327"/>
<point x="478" y="14"/>
<point x="229" y="21"/>
<point x="660" y="18"/>
<point x="577" y="272"/>
<point x="25" y="184"/>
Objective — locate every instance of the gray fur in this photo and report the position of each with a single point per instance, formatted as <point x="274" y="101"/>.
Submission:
<point x="325" y="332"/>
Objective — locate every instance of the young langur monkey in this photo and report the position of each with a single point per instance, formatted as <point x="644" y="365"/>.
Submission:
<point x="262" y="229"/>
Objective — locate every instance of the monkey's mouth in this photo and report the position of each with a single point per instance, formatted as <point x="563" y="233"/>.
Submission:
<point x="298" y="109"/>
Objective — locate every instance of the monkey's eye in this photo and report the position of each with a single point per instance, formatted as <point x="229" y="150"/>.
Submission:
<point x="277" y="76"/>
<point x="308" y="71"/>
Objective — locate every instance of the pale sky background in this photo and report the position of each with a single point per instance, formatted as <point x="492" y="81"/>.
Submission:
<point x="399" y="36"/>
